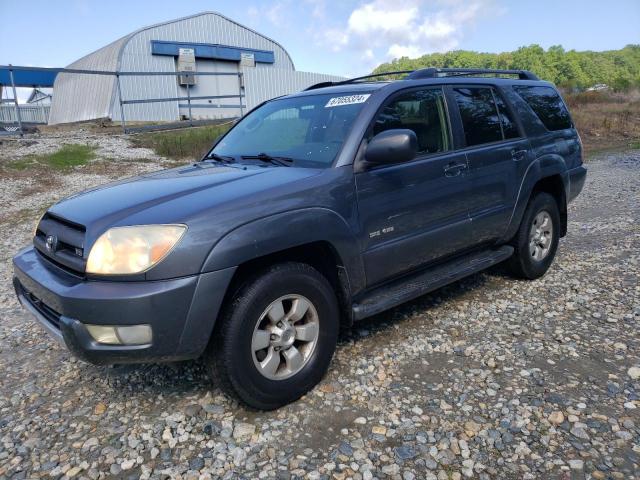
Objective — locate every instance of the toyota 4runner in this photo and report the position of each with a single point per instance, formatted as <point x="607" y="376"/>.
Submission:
<point x="314" y="211"/>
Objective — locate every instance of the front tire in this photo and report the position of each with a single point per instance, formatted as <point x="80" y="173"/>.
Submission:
<point x="536" y="241"/>
<point x="277" y="336"/>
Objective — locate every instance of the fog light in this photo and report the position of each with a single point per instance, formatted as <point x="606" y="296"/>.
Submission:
<point x="102" y="334"/>
<point x="134" y="334"/>
<point x="121" y="335"/>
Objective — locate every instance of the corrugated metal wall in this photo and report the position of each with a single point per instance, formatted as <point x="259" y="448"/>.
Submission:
<point x="84" y="97"/>
<point x="262" y="84"/>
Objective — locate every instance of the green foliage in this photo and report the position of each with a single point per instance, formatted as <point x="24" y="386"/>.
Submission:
<point x="620" y="69"/>
<point x="189" y="143"/>
<point x="68" y="156"/>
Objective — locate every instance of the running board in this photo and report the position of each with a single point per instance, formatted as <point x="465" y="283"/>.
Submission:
<point x="413" y="286"/>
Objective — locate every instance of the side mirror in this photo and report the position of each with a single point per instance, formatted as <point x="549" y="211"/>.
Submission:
<point x="392" y="146"/>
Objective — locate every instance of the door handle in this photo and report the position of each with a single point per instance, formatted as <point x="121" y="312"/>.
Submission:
<point x="454" y="169"/>
<point x="518" y="155"/>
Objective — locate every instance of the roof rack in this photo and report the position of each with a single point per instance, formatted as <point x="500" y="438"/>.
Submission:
<point x="433" y="72"/>
<point x="456" y="72"/>
<point x="357" y="79"/>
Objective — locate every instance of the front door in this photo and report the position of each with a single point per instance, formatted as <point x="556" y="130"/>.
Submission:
<point x="416" y="212"/>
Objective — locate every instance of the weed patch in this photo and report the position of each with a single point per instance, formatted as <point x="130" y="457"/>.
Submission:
<point x="68" y="156"/>
<point x="190" y="143"/>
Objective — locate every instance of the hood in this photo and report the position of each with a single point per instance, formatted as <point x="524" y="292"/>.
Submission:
<point x="208" y="184"/>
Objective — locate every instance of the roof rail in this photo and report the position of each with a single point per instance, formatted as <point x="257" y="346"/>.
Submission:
<point x="356" y="79"/>
<point x="432" y="72"/>
<point x="455" y="72"/>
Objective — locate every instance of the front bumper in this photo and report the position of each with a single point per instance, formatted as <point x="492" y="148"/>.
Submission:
<point x="181" y="311"/>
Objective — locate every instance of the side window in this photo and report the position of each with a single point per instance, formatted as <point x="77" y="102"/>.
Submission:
<point x="547" y="105"/>
<point x="422" y="111"/>
<point x="509" y="128"/>
<point x="479" y="114"/>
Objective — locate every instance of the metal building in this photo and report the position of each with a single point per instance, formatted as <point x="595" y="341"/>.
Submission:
<point x="207" y="42"/>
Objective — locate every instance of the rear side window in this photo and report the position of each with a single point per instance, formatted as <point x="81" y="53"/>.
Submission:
<point x="479" y="114"/>
<point x="547" y="105"/>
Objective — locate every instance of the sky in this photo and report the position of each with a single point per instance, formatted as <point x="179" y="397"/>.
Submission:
<point x="349" y="37"/>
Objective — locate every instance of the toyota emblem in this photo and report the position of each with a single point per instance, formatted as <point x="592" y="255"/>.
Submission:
<point x="51" y="243"/>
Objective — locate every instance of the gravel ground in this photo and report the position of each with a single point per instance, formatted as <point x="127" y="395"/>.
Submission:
<point x="487" y="378"/>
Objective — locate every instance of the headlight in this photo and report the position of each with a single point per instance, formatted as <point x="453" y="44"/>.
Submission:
<point x="127" y="250"/>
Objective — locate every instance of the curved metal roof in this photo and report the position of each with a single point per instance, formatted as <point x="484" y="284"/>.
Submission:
<point x="117" y="47"/>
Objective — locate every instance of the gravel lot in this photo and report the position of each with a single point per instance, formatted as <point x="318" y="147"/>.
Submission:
<point x="487" y="378"/>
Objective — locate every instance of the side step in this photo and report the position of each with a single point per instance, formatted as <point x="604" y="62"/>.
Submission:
<point x="409" y="287"/>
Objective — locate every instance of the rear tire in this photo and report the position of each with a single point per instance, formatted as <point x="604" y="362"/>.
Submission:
<point x="276" y="337"/>
<point x="537" y="238"/>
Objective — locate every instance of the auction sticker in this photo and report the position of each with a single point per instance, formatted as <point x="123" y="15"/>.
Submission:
<point x="347" y="100"/>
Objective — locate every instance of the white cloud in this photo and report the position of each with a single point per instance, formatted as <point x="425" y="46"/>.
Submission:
<point x="378" y="18"/>
<point x="398" y="51"/>
<point x="275" y="14"/>
<point x="335" y="39"/>
<point x="386" y="29"/>
<point x="318" y="8"/>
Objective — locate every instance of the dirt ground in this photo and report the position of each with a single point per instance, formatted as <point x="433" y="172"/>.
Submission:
<point x="487" y="378"/>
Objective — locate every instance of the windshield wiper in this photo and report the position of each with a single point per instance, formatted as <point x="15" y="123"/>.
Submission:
<point x="219" y="158"/>
<point x="275" y="160"/>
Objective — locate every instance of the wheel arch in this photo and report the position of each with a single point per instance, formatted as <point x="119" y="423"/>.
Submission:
<point x="547" y="173"/>
<point x="554" y="186"/>
<point x="320" y="255"/>
<point x="322" y="239"/>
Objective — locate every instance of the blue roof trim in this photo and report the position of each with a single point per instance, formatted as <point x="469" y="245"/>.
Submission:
<point x="28" y="78"/>
<point x="210" y="50"/>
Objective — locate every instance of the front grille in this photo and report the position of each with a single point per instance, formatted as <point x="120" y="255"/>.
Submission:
<point x="61" y="242"/>
<point x="47" y="312"/>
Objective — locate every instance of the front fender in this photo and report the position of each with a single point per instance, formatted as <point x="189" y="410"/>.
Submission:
<point x="542" y="167"/>
<point x="286" y="230"/>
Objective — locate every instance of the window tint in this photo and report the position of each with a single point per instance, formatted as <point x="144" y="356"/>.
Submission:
<point x="479" y="114"/>
<point x="547" y="105"/>
<point x="422" y="111"/>
<point x="509" y="128"/>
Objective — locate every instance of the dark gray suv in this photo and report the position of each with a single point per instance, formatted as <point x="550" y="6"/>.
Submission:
<point x="314" y="211"/>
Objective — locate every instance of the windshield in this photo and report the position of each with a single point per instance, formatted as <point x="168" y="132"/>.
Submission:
<point x="309" y="130"/>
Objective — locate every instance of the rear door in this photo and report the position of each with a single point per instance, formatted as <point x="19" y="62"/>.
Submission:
<point x="414" y="213"/>
<point x="495" y="150"/>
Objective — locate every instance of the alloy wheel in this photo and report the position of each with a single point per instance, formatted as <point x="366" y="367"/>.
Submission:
<point x="541" y="236"/>
<point x="285" y="337"/>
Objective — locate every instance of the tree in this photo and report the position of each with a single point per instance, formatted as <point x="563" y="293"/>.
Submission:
<point x="619" y="69"/>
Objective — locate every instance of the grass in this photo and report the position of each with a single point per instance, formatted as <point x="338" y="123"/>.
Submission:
<point x="68" y="156"/>
<point x="606" y="120"/>
<point x="189" y="143"/>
